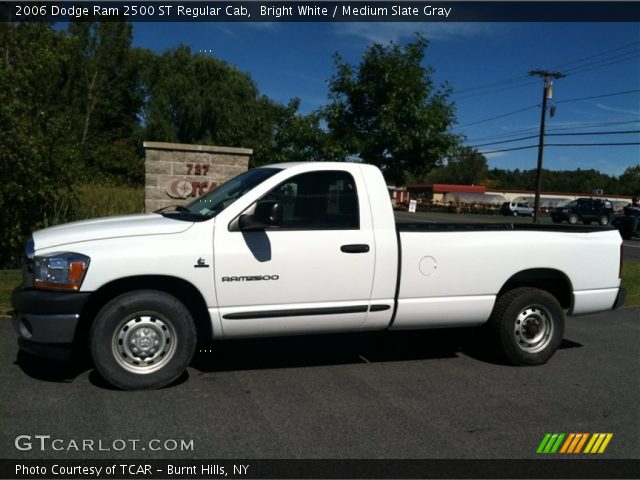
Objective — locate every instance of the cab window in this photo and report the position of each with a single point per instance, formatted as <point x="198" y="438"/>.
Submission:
<point x="324" y="200"/>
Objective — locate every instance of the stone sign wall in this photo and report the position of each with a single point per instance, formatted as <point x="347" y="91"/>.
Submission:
<point x="176" y="173"/>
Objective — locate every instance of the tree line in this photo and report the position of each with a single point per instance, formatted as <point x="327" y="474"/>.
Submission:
<point x="465" y="166"/>
<point x="77" y="103"/>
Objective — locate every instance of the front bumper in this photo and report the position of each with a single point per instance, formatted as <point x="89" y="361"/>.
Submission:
<point x="46" y="321"/>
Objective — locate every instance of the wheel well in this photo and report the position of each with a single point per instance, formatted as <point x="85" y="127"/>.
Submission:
<point x="553" y="281"/>
<point x="181" y="289"/>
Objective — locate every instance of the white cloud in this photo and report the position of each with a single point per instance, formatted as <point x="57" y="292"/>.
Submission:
<point x="489" y="156"/>
<point x="626" y="111"/>
<point x="265" y="26"/>
<point x="225" y="30"/>
<point x="384" y="32"/>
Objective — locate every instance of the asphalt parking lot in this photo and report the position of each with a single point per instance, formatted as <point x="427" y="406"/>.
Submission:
<point x="404" y="395"/>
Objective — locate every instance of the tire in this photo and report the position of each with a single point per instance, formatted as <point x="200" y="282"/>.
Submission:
<point x="604" y="220"/>
<point x="626" y="233"/>
<point x="527" y="325"/>
<point x="142" y="340"/>
<point x="515" y="213"/>
<point x="573" y="219"/>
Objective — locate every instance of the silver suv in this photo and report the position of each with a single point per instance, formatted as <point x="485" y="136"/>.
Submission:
<point x="517" y="208"/>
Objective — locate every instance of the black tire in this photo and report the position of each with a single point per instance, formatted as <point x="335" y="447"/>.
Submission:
<point x="527" y="325"/>
<point x="515" y="213"/>
<point x="573" y="218"/>
<point x="626" y="232"/>
<point x="149" y="327"/>
<point x="604" y="220"/>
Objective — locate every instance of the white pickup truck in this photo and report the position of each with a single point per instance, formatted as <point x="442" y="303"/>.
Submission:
<point x="299" y="248"/>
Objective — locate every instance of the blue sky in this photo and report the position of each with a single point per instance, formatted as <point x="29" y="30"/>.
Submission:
<point x="289" y="60"/>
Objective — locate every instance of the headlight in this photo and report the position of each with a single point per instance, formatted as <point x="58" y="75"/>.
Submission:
<point x="60" y="271"/>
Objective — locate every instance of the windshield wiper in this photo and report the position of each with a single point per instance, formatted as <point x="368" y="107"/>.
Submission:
<point x="178" y="209"/>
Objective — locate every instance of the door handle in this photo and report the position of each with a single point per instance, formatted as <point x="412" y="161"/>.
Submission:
<point x="355" y="248"/>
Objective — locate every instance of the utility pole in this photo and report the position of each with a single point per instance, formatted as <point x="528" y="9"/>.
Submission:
<point x="547" y="92"/>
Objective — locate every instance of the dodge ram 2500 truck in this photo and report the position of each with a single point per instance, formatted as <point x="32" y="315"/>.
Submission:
<point x="293" y="249"/>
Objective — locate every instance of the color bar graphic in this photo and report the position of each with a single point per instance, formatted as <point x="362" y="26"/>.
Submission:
<point x="553" y="443"/>
<point x="550" y="443"/>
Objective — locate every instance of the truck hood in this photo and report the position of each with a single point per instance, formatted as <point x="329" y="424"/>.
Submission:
<point x="108" y="227"/>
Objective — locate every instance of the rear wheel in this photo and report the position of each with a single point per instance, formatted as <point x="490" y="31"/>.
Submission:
<point x="604" y="220"/>
<point x="573" y="219"/>
<point x="142" y="340"/>
<point x="527" y="324"/>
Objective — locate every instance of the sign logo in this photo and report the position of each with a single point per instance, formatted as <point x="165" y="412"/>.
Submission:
<point x="572" y="443"/>
<point x="179" y="188"/>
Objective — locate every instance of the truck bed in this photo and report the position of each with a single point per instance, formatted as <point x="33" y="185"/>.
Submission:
<point x="426" y="226"/>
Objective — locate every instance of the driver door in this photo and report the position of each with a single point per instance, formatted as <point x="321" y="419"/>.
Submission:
<point x="314" y="272"/>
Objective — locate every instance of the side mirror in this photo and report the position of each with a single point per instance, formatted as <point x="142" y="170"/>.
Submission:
<point x="266" y="214"/>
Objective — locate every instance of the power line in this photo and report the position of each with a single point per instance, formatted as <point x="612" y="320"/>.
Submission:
<point x="576" y="72"/>
<point x="563" y="145"/>
<point x="612" y="144"/>
<point x="594" y="125"/>
<point x="503" y="141"/>
<point x="554" y="129"/>
<point x="591" y="57"/>
<point x="579" y="99"/>
<point x="499" y="116"/>
<point x="510" y="149"/>
<point x="496" y="90"/>
<point x="520" y="79"/>
<point x="618" y="132"/>
<point x="492" y="84"/>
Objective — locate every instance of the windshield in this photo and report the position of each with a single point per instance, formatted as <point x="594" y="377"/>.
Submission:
<point x="571" y="204"/>
<point x="217" y="200"/>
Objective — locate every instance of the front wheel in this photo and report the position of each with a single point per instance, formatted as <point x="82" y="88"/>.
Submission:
<point x="142" y="340"/>
<point x="604" y="220"/>
<point x="573" y="219"/>
<point x="527" y="324"/>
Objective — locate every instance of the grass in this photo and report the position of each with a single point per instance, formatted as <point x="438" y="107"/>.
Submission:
<point x="105" y="200"/>
<point x="93" y="201"/>
<point x="9" y="279"/>
<point x="631" y="281"/>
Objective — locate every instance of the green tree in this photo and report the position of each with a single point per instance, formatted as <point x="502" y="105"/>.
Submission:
<point x="465" y="166"/>
<point x="38" y="155"/>
<point x="629" y="181"/>
<point x="297" y="137"/>
<point x="387" y="111"/>
<point x="104" y="88"/>
<point x="200" y="99"/>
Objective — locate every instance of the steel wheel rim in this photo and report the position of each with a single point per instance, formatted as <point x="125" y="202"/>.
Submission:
<point x="144" y="343"/>
<point x="533" y="328"/>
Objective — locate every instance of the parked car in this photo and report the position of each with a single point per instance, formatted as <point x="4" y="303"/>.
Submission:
<point x="517" y="208"/>
<point x="585" y="210"/>
<point x="625" y="223"/>
<point x="293" y="249"/>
